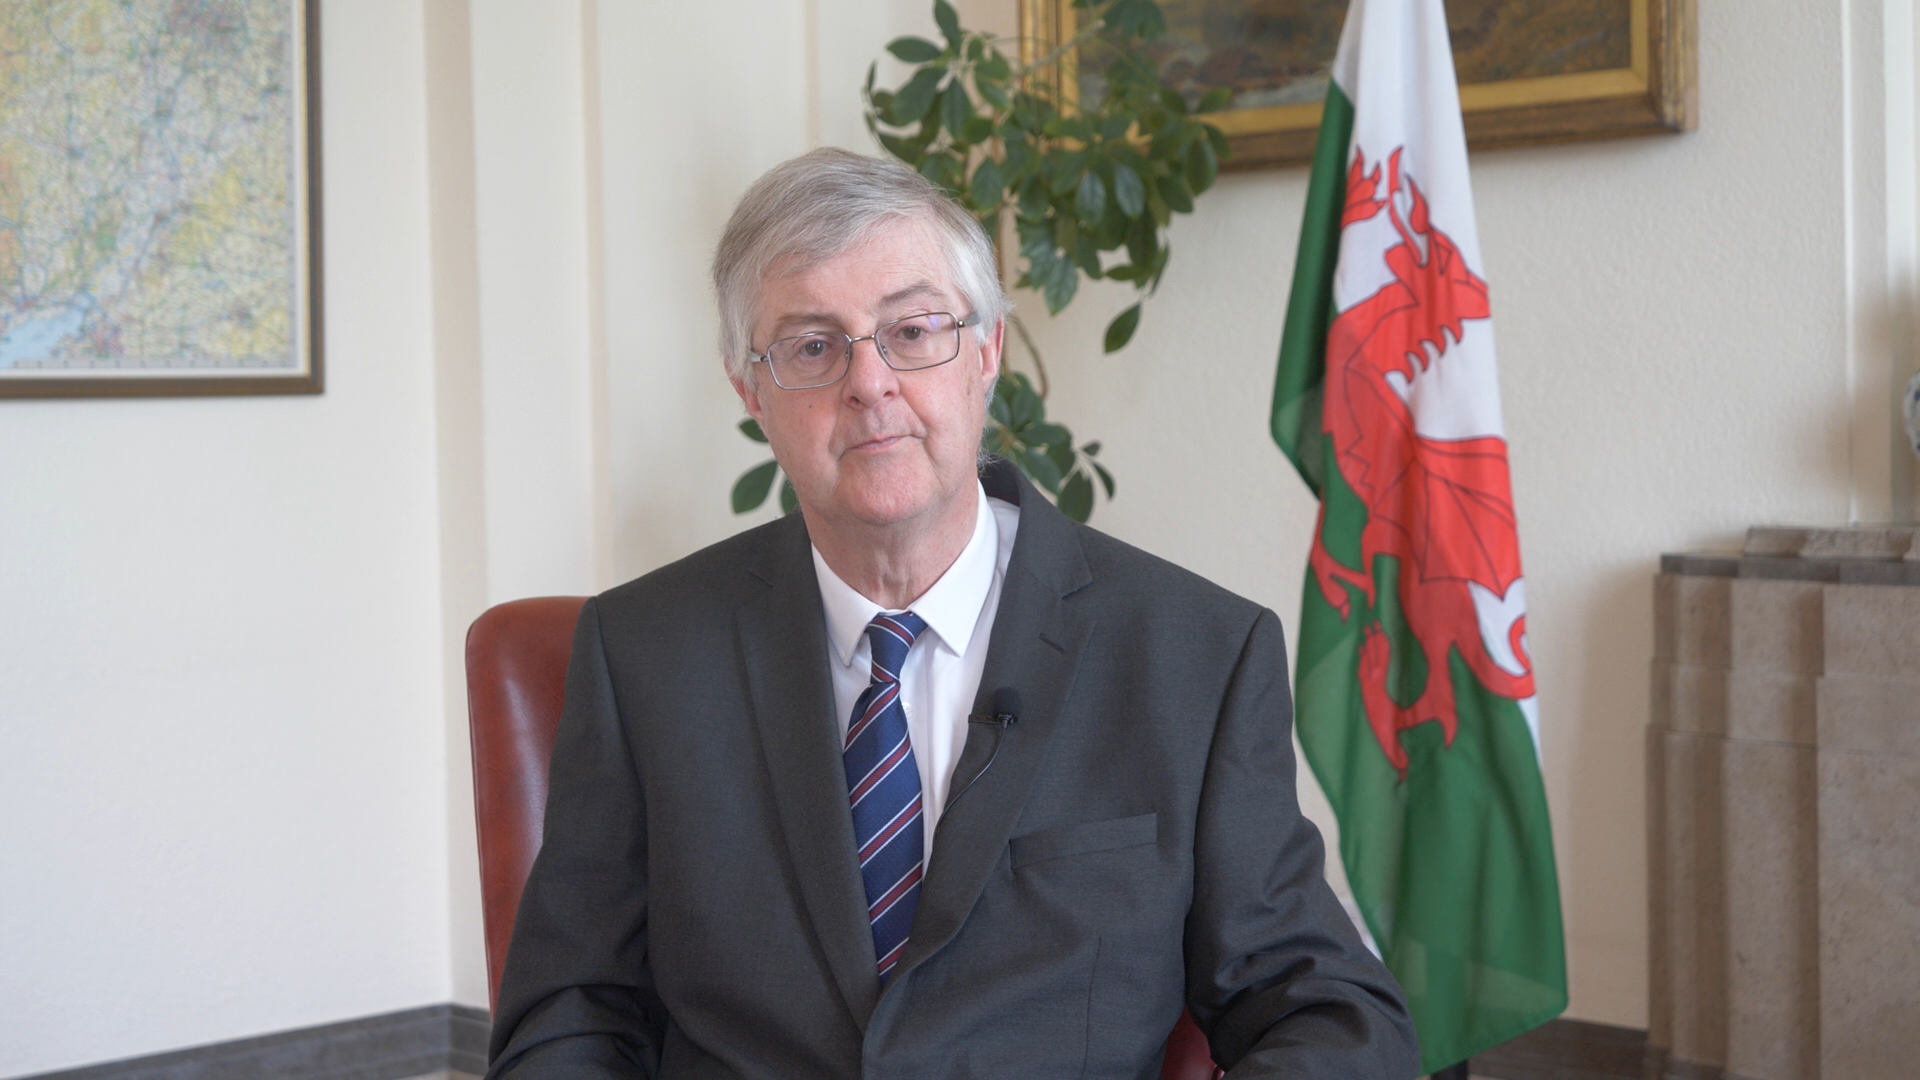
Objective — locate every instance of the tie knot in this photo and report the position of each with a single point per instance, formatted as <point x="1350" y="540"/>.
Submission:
<point x="890" y="636"/>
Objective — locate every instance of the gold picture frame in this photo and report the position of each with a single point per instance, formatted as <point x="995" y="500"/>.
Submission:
<point x="1647" y="85"/>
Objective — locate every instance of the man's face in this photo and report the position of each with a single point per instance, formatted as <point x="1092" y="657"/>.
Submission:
<point x="879" y="447"/>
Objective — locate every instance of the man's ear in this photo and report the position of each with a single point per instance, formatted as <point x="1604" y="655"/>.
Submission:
<point x="990" y="352"/>
<point x="749" y="396"/>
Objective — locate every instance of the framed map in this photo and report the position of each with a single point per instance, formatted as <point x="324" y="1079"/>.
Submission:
<point x="159" y="200"/>
<point x="1531" y="71"/>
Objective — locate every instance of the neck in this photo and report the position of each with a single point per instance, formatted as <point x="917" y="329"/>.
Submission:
<point x="894" y="565"/>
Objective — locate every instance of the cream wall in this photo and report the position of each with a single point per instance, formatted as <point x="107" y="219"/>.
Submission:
<point x="222" y="777"/>
<point x="234" y="798"/>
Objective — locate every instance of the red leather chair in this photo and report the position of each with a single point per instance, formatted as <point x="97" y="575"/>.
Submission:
<point x="516" y="684"/>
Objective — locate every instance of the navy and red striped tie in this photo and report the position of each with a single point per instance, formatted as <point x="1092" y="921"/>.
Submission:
<point x="883" y="785"/>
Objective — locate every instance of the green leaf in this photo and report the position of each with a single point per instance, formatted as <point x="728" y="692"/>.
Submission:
<point x="1033" y="200"/>
<point x="1041" y="468"/>
<point x="1051" y="435"/>
<point x="1106" y="478"/>
<point x="872" y="70"/>
<point x="906" y="150"/>
<point x="1060" y="286"/>
<point x="1028" y="409"/>
<point x="1076" y="497"/>
<point x="1128" y="191"/>
<point x="1143" y="244"/>
<point x="994" y="67"/>
<point x="991" y="91"/>
<point x="1158" y="207"/>
<point x="1201" y="165"/>
<point x="1019" y="152"/>
<point x="944" y="170"/>
<point x="1179" y="198"/>
<point x="1123" y="19"/>
<point x="789" y="499"/>
<point x="913" y="101"/>
<point x="949" y="21"/>
<point x="956" y="108"/>
<point x="1091" y="199"/>
<point x="1153" y="22"/>
<point x="1061" y="454"/>
<point x="1222" y="148"/>
<point x="1068" y="167"/>
<point x="987" y="188"/>
<point x="1066" y="233"/>
<point x="976" y="48"/>
<point x="1091" y="448"/>
<point x="1115" y="124"/>
<point x="914" y="50"/>
<point x="1086" y="255"/>
<point x="978" y="129"/>
<point x="1175" y="102"/>
<point x="751" y="429"/>
<point x="1215" y="99"/>
<point x="1120" y="330"/>
<point x="751" y="489"/>
<point x="998" y="408"/>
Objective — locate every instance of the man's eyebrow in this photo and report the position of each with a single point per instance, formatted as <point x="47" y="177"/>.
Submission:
<point x="803" y="318"/>
<point x="820" y="318"/>
<point x="918" y="288"/>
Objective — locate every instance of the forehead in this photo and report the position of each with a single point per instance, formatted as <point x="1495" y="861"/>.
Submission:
<point x="902" y="267"/>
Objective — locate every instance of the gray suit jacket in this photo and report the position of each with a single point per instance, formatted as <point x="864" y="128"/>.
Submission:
<point x="696" y="910"/>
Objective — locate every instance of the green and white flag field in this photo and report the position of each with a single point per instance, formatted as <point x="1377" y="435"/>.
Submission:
<point x="1415" y="688"/>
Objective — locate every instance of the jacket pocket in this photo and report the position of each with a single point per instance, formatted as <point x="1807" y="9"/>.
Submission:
<point x="1092" y="836"/>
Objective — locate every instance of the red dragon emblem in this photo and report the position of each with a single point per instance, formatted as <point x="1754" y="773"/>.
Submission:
<point x="1444" y="508"/>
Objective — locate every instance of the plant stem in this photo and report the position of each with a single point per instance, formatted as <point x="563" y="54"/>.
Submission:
<point x="1039" y="364"/>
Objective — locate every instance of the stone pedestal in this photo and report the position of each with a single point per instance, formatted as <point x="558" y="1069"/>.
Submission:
<point x="1783" y="809"/>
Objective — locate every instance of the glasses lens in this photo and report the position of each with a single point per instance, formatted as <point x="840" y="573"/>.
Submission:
<point x="921" y="340"/>
<point x="807" y="360"/>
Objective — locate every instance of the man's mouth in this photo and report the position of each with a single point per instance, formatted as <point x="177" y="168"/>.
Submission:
<point x="876" y="445"/>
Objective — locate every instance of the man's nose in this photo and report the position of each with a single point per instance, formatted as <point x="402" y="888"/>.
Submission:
<point x="869" y="379"/>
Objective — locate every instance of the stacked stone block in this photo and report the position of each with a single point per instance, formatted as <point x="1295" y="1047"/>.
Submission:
<point x="1784" y="810"/>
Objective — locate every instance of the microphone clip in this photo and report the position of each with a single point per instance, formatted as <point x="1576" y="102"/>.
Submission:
<point x="1005" y="710"/>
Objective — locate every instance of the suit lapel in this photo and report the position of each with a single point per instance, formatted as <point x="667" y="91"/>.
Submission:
<point x="783" y="644"/>
<point x="1038" y="638"/>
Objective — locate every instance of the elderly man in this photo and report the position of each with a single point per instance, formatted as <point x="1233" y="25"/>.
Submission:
<point x="925" y="781"/>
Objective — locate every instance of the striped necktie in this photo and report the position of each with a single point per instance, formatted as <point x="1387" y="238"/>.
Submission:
<point x="883" y="785"/>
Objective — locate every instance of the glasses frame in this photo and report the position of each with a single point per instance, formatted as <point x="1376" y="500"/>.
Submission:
<point x="960" y="322"/>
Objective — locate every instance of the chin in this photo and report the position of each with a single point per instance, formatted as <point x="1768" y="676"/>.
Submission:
<point x="886" y="505"/>
<point x="887" y="496"/>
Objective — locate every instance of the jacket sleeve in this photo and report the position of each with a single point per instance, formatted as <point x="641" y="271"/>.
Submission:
<point x="1277" y="976"/>
<point x="577" y="997"/>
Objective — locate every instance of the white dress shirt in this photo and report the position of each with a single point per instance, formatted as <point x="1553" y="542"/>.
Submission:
<point x="942" y="672"/>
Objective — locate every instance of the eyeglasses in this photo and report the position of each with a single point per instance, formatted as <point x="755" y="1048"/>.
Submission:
<point x="917" y="342"/>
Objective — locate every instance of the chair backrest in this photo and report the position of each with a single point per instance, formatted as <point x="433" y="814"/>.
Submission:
<point x="516" y="685"/>
<point x="517" y="657"/>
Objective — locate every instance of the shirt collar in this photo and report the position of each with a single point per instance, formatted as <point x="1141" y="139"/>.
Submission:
<point x="951" y="608"/>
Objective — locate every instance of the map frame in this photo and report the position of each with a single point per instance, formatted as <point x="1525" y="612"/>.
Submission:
<point x="1655" y="92"/>
<point x="304" y="218"/>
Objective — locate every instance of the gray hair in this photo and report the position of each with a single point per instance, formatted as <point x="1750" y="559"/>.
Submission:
<point x="823" y="204"/>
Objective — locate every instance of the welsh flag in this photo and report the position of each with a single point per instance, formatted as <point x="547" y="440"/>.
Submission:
<point x="1415" y="690"/>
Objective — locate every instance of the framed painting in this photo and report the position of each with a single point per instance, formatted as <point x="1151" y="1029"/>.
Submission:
<point x="1531" y="71"/>
<point x="159" y="198"/>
